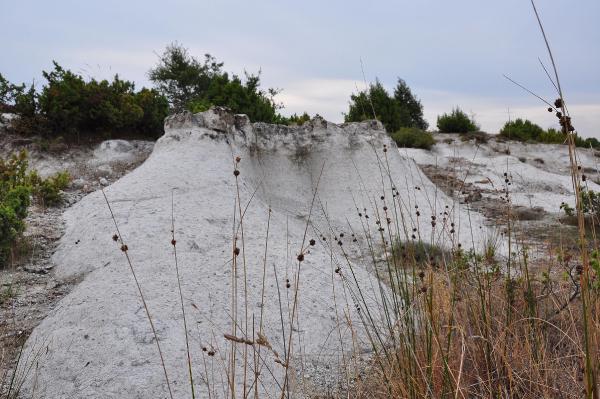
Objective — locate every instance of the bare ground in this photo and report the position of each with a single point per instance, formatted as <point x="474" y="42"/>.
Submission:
<point x="28" y="289"/>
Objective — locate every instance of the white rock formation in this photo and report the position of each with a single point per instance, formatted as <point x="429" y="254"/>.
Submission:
<point x="98" y="342"/>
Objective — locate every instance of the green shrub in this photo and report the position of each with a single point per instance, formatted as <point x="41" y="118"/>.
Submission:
<point x="74" y="106"/>
<point x="15" y="195"/>
<point x="69" y="106"/>
<point x="410" y="137"/>
<point x="456" y="122"/>
<point x="192" y="85"/>
<point x="17" y="185"/>
<point x="298" y="120"/>
<point x="590" y="204"/>
<point x="48" y="191"/>
<point x="402" y="109"/>
<point x="523" y="130"/>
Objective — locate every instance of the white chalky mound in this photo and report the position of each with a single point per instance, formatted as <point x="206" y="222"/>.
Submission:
<point x="98" y="342"/>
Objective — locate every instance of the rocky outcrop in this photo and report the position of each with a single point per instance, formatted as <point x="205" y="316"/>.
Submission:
<point x="318" y="181"/>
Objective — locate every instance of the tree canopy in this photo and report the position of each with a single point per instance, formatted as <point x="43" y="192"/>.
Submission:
<point x="194" y="85"/>
<point x="402" y="109"/>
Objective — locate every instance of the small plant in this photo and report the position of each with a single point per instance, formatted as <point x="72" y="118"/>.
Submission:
<point x="17" y="185"/>
<point x="15" y="194"/>
<point x="456" y="122"/>
<point x="298" y="120"/>
<point x="567" y="209"/>
<point x="590" y="203"/>
<point x="410" y="137"/>
<point x="49" y="191"/>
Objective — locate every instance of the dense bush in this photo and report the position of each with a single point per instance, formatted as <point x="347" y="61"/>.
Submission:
<point x="456" y="122"/>
<point x="189" y="84"/>
<point x="74" y="106"/>
<point x="70" y="106"/>
<point x="411" y="137"/>
<point x="402" y="109"/>
<point x="525" y="130"/>
<point x="17" y="185"/>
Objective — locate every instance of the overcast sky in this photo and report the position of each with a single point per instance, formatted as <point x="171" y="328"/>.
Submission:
<point x="451" y="53"/>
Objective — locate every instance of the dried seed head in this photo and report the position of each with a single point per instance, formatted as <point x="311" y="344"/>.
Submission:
<point x="236" y="173"/>
<point x="312" y="242"/>
<point x="173" y="242"/>
<point x="124" y="248"/>
<point x="550" y="109"/>
<point x="558" y="103"/>
<point x="115" y="238"/>
<point x="236" y="251"/>
<point x="421" y="275"/>
<point x="238" y="159"/>
<point x="423" y="289"/>
<point x="300" y="257"/>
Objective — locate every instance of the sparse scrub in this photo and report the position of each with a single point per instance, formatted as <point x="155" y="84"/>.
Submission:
<point x="413" y="138"/>
<point x="456" y="122"/>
